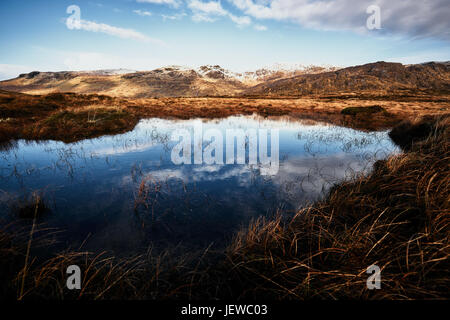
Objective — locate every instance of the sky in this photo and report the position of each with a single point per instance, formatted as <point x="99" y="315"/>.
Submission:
<point x="239" y="35"/>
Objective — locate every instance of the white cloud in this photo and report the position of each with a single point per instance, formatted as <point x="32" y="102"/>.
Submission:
<point x="240" y="21"/>
<point x="172" y="3"/>
<point x="415" y="18"/>
<point x="142" y="13"/>
<point x="53" y="60"/>
<point x="199" y="17"/>
<point x="88" y="60"/>
<point x="208" y="8"/>
<point x="437" y="55"/>
<point x="80" y="61"/>
<point x="110" y="30"/>
<point x="210" y="11"/>
<point x="177" y="16"/>
<point x="9" y="71"/>
<point x="260" y="27"/>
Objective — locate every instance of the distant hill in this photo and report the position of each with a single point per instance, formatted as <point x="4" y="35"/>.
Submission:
<point x="162" y="82"/>
<point x="175" y="81"/>
<point x="381" y="77"/>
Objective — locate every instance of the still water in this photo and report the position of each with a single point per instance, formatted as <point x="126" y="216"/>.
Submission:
<point x="122" y="193"/>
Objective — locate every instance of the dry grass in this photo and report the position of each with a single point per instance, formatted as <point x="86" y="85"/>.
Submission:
<point x="397" y="218"/>
<point x="25" y="275"/>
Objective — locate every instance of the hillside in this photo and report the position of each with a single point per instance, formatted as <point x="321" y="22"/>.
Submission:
<point x="162" y="82"/>
<point x="382" y="77"/>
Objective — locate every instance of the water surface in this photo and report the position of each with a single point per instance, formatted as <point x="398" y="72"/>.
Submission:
<point x="122" y="193"/>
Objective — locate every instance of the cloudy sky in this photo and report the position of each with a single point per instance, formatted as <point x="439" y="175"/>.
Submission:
<point x="48" y="35"/>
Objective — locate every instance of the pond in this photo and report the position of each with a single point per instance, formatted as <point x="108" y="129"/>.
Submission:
<point x="125" y="192"/>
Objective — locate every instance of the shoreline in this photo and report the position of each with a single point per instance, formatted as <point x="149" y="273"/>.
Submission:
<point x="72" y="117"/>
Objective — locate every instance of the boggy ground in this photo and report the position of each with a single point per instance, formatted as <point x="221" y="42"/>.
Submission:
<point x="397" y="217"/>
<point x="72" y="117"/>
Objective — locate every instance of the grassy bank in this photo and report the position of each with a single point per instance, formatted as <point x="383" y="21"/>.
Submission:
<point x="65" y="117"/>
<point x="397" y="217"/>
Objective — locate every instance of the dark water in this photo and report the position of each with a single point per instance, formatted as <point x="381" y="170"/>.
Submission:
<point x="121" y="193"/>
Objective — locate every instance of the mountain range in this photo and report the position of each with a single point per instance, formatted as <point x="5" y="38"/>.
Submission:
<point x="175" y="81"/>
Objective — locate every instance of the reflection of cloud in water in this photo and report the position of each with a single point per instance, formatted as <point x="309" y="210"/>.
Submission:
<point x="92" y="179"/>
<point x="192" y="174"/>
<point x="299" y="177"/>
<point x="114" y="150"/>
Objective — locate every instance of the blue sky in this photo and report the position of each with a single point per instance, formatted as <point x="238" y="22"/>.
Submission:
<point x="236" y="34"/>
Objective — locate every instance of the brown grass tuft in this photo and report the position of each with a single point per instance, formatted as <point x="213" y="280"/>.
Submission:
<point x="397" y="218"/>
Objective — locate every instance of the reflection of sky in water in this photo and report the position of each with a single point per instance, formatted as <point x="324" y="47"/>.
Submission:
<point x="91" y="186"/>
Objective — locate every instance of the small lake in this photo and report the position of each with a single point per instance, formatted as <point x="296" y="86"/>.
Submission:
<point x="125" y="192"/>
